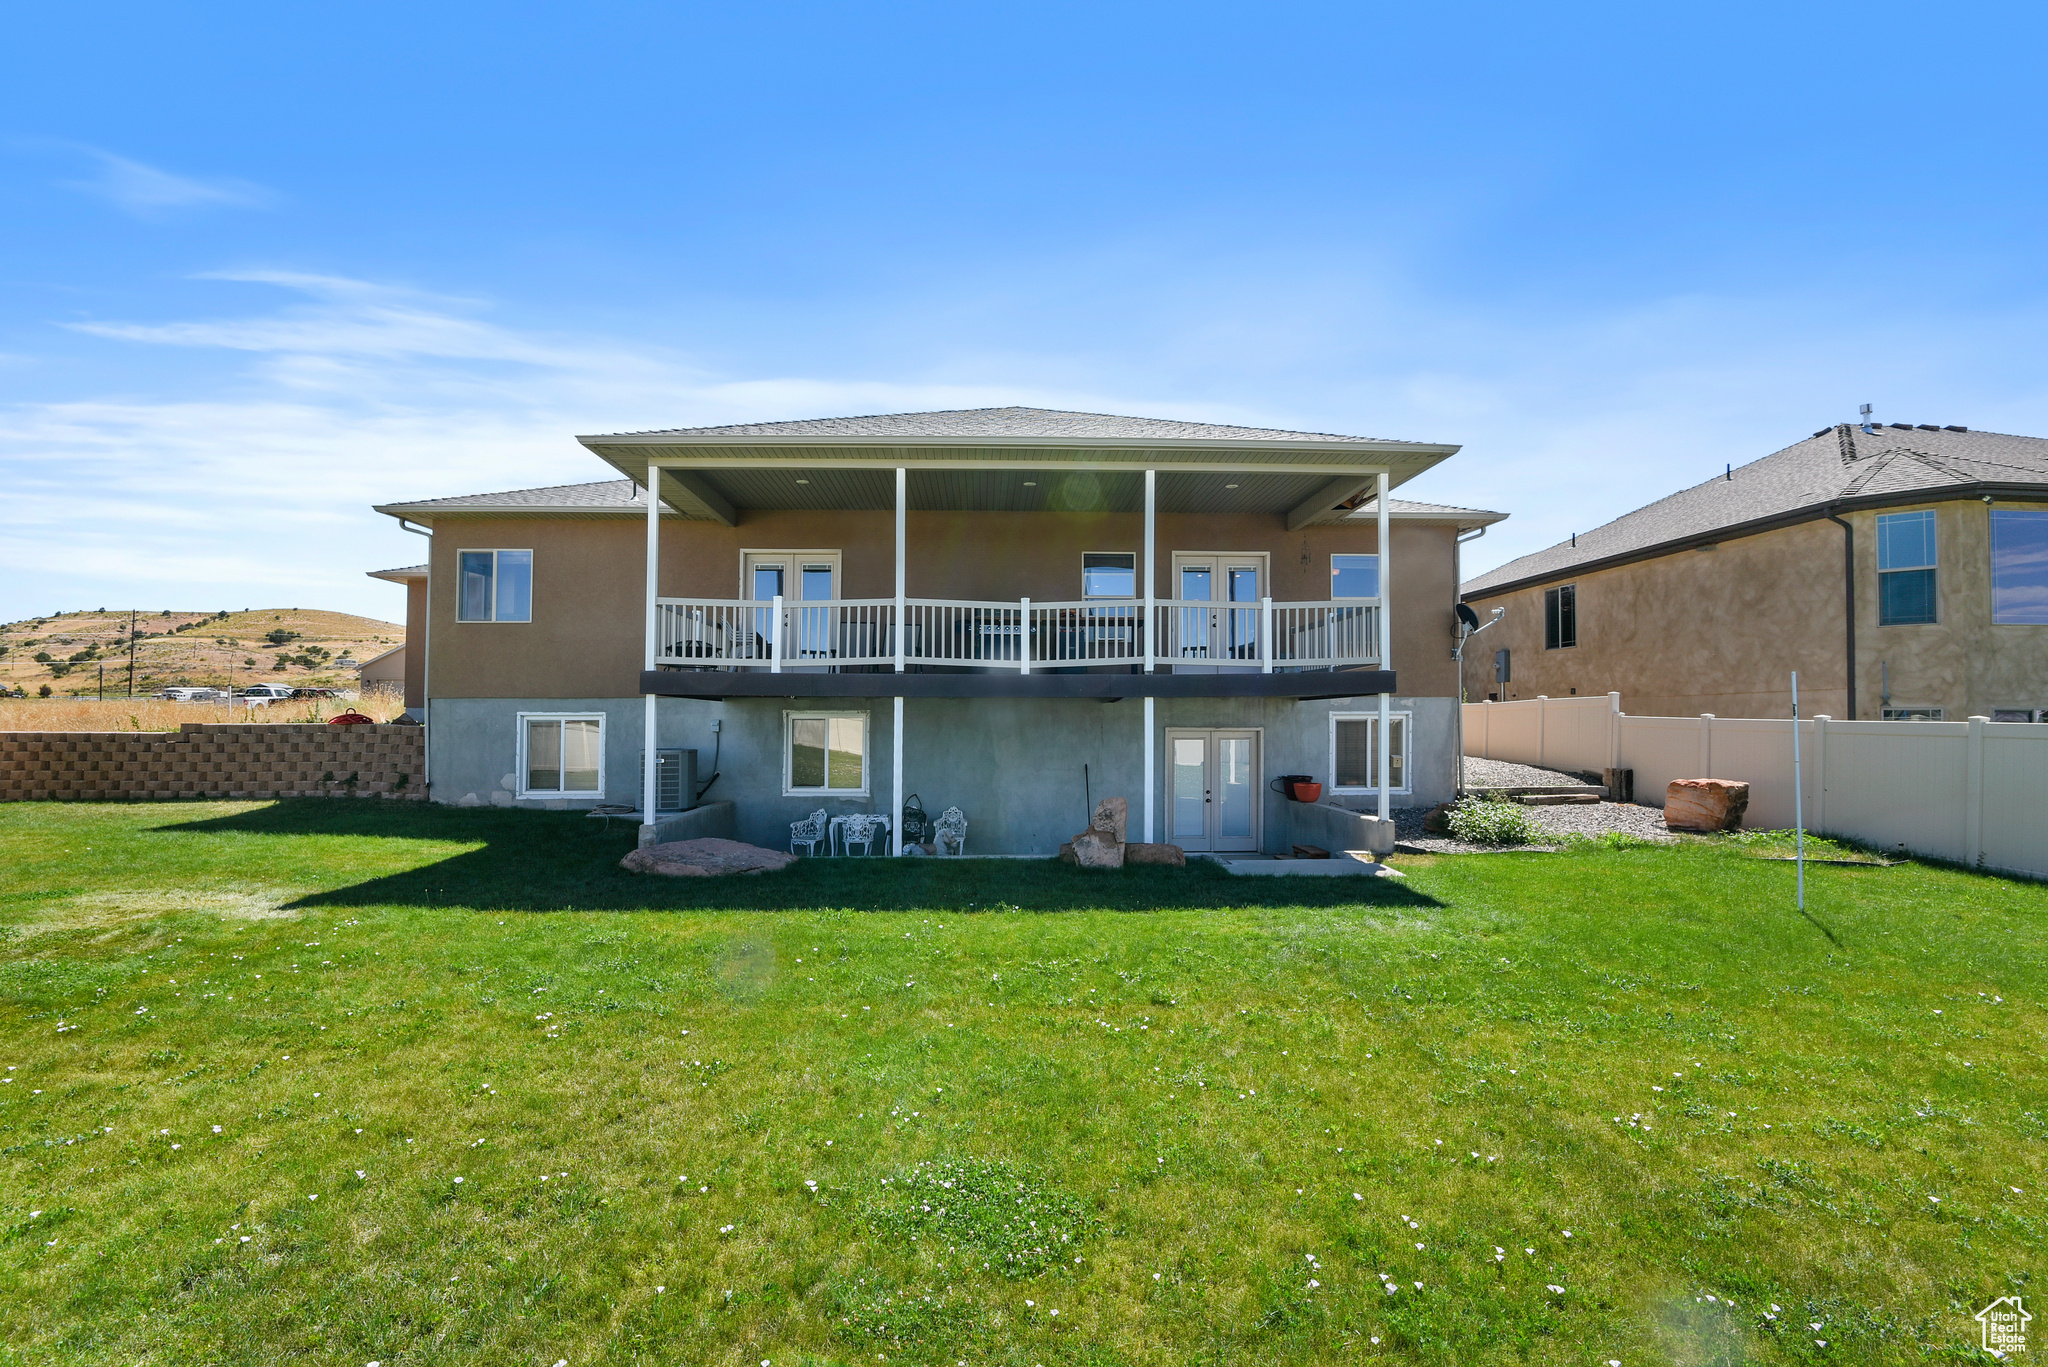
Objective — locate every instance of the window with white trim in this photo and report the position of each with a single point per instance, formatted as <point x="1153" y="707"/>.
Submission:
<point x="824" y="754"/>
<point x="561" y="754"/>
<point x="1905" y="568"/>
<point x="494" y="586"/>
<point x="1354" y="752"/>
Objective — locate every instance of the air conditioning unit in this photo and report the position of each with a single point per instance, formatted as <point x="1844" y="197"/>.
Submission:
<point x="675" y="779"/>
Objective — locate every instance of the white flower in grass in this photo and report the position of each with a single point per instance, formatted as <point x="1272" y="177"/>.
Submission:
<point x="1556" y="1290"/>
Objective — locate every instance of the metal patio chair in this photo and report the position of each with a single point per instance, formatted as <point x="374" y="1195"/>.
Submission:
<point x="949" y="832"/>
<point x="810" y="833"/>
<point x="862" y="830"/>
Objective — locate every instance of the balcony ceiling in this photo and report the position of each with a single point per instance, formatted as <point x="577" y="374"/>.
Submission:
<point x="1002" y="491"/>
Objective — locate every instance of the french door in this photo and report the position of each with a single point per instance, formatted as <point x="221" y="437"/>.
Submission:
<point x="1213" y="786"/>
<point x="1229" y="630"/>
<point x="798" y="577"/>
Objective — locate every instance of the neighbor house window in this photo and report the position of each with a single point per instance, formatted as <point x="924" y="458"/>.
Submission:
<point x="1913" y="714"/>
<point x="561" y="755"/>
<point x="825" y="753"/>
<point x="2019" y="567"/>
<point x="1354" y="576"/>
<point x="1561" y="617"/>
<point x="1905" y="568"/>
<point x="1109" y="574"/>
<point x="1354" y="752"/>
<point x="495" y="586"/>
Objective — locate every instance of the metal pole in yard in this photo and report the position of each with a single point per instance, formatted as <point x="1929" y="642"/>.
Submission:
<point x="1798" y="797"/>
<point x="131" y="654"/>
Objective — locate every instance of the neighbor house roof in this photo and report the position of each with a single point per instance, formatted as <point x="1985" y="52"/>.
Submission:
<point x="400" y="576"/>
<point x="1835" y="468"/>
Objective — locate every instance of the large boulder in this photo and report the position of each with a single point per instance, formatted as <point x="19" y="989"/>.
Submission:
<point x="1111" y="815"/>
<point x="1141" y="853"/>
<point x="706" y="858"/>
<point x="1094" y="849"/>
<point x="1705" y="804"/>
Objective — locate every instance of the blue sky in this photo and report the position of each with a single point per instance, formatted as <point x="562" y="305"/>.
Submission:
<point x="261" y="266"/>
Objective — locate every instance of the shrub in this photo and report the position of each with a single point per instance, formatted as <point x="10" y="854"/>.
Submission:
<point x="1494" y="823"/>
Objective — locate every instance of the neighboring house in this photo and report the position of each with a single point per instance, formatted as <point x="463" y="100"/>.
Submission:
<point x="1013" y="609"/>
<point x="404" y="662"/>
<point x="1902" y="570"/>
<point x="383" y="672"/>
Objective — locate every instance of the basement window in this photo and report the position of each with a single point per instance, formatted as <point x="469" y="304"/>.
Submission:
<point x="824" y="754"/>
<point x="561" y="754"/>
<point x="1561" y="617"/>
<point x="1354" y="753"/>
<point x="1905" y="568"/>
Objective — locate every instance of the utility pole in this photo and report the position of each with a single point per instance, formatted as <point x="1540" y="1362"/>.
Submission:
<point x="131" y="652"/>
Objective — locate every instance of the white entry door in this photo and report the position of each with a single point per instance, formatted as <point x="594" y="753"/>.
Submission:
<point x="799" y="577"/>
<point x="1213" y="786"/>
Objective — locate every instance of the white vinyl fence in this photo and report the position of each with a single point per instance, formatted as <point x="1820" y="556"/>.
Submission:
<point x="1975" y="792"/>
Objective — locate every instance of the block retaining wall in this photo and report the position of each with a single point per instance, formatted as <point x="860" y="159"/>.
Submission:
<point x="288" y="759"/>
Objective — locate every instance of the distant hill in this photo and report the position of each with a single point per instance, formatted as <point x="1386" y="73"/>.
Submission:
<point x="301" y="645"/>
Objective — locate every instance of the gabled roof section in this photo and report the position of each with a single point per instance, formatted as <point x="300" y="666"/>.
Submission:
<point x="1008" y="424"/>
<point x="1430" y="514"/>
<point x="400" y="576"/>
<point x="604" y="498"/>
<point x="1838" y="467"/>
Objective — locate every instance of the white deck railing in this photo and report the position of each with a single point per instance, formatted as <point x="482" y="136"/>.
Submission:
<point x="782" y="633"/>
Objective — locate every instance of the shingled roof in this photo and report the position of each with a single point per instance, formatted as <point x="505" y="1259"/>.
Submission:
<point x="1012" y="423"/>
<point x="1836" y="468"/>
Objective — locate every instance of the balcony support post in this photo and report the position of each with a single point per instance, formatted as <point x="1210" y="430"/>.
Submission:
<point x="1150" y="760"/>
<point x="1386" y="597"/>
<point x="648" y="800"/>
<point x="901" y="626"/>
<point x="1151" y="519"/>
<point x="896" y="761"/>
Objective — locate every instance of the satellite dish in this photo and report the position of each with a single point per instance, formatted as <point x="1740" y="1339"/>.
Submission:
<point x="1468" y="618"/>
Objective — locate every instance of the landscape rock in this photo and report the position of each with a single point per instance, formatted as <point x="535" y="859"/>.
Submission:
<point x="1705" y="804"/>
<point x="1437" y="821"/>
<point x="1111" y="814"/>
<point x="1141" y="853"/>
<point x="706" y="858"/>
<point x="1094" y="849"/>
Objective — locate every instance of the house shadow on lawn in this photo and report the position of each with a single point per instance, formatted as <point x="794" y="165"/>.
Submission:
<point x="565" y="861"/>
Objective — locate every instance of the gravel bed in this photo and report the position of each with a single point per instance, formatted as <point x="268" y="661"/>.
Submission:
<point x="1498" y="773"/>
<point x="1591" y="819"/>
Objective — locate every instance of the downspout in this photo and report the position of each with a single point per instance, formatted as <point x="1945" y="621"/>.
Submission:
<point x="1848" y="601"/>
<point x="426" y="668"/>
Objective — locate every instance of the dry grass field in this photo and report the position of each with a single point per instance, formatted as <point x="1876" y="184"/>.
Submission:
<point x="148" y="714"/>
<point x="300" y="646"/>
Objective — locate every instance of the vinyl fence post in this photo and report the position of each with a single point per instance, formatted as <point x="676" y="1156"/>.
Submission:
<point x="1614" y="730"/>
<point x="1973" y="795"/>
<point x="1541" y="700"/>
<point x="1706" y="745"/>
<point x="1820" y="774"/>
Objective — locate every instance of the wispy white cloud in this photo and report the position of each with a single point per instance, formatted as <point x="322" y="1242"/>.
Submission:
<point x="152" y="192"/>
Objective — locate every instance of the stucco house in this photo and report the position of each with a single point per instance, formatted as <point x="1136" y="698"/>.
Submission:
<point x="1011" y="611"/>
<point x="1902" y="569"/>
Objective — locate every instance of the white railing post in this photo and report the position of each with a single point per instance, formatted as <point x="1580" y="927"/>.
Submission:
<point x="901" y="529"/>
<point x="1266" y="634"/>
<point x="1024" y="633"/>
<point x="775" y="637"/>
<point x="1151" y="491"/>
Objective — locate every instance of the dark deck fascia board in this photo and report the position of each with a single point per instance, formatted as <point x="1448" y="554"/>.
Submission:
<point x="1813" y="512"/>
<point x="719" y="685"/>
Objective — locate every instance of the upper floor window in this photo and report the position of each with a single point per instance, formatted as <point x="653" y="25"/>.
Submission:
<point x="1905" y="568"/>
<point x="1354" y="576"/>
<point x="1109" y="574"/>
<point x="2019" y="567"/>
<point x="1561" y="617"/>
<point x="495" y="586"/>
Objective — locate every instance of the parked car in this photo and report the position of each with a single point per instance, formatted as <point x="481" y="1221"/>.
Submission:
<point x="264" y="694"/>
<point x="316" y="692"/>
<point x="186" y="693"/>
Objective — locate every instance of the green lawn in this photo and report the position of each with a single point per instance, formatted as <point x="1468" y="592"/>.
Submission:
<point x="553" y="1111"/>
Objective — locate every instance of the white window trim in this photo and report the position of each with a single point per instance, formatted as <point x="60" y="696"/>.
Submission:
<point x="1407" y="725"/>
<point x="867" y="759"/>
<point x="550" y="794"/>
<point x="494" y="619"/>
